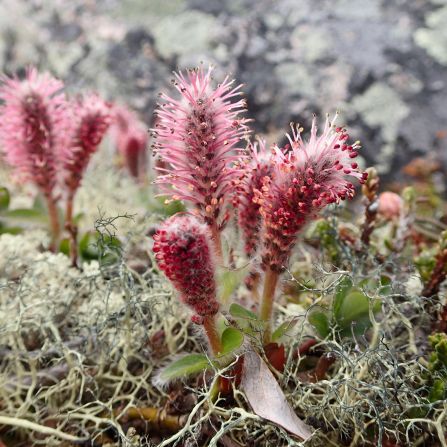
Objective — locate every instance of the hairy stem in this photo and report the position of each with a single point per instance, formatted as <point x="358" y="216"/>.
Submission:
<point x="209" y="324"/>
<point x="217" y="241"/>
<point x="72" y="229"/>
<point x="54" y="221"/>
<point x="266" y="310"/>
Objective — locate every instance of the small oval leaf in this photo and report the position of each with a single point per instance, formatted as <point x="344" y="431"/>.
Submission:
<point x="282" y="329"/>
<point x="232" y="339"/>
<point x="186" y="366"/>
<point x="318" y="318"/>
<point x="238" y="311"/>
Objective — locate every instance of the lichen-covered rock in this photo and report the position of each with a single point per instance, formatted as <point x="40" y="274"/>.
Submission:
<point x="293" y="60"/>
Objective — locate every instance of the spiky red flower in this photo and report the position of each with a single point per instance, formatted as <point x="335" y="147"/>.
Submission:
<point x="306" y="177"/>
<point x="197" y="136"/>
<point x="249" y="216"/>
<point x="131" y="139"/>
<point x="91" y="119"/>
<point x="183" y="252"/>
<point x="33" y="127"/>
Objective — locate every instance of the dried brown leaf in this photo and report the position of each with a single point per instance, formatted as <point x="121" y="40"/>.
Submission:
<point x="266" y="397"/>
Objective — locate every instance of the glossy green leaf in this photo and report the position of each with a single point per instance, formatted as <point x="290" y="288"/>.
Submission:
<point x="5" y="198"/>
<point x="186" y="366"/>
<point x="318" y="318"/>
<point x="238" y="311"/>
<point x="232" y="339"/>
<point x="282" y="329"/>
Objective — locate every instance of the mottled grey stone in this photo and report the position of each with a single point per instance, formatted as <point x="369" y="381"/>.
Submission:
<point x="383" y="64"/>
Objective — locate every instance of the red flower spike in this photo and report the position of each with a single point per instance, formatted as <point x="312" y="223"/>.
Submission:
<point x="183" y="252"/>
<point x="131" y="139"/>
<point x="249" y="217"/>
<point x="197" y="137"/>
<point x="304" y="180"/>
<point x="92" y="118"/>
<point x="33" y="127"/>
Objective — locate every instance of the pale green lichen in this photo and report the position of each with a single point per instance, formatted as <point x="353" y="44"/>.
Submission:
<point x="297" y="78"/>
<point x="433" y="38"/>
<point x="310" y="43"/>
<point x="188" y="33"/>
<point x="380" y="106"/>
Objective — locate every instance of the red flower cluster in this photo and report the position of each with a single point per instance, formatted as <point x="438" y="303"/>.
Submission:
<point x="249" y="217"/>
<point x="197" y="137"/>
<point x="33" y="127"/>
<point x="306" y="177"/>
<point x="184" y="254"/>
<point x="91" y="116"/>
<point x="131" y="139"/>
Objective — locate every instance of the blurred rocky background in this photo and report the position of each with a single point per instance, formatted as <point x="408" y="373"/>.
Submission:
<point x="382" y="63"/>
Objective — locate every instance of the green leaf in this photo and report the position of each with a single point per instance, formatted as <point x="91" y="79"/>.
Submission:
<point x="318" y="318"/>
<point x="25" y="214"/>
<point x="342" y="290"/>
<point x="232" y="339"/>
<point x="353" y="313"/>
<point x="237" y="311"/>
<point x="5" y="198"/>
<point x="64" y="246"/>
<point x="88" y="248"/>
<point x="282" y="329"/>
<point x="186" y="366"/>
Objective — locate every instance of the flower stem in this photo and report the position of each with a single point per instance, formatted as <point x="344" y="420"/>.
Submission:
<point x="266" y="310"/>
<point x="54" y="221"/>
<point x="209" y="324"/>
<point x="217" y="241"/>
<point x="72" y="230"/>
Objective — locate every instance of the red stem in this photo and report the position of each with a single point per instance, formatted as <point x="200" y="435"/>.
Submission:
<point x="54" y="221"/>
<point x="72" y="230"/>
<point x="215" y="235"/>
<point x="268" y="296"/>
<point x="209" y="324"/>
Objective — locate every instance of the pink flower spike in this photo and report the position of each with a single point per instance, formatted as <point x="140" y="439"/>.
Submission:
<point x="183" y="252"/>
<point x="91" y="116"/>
<point x="306" y="177"/>
<point x="33" y="125"/>
<point x="197" y="137"/>
<point x="131" y="139"/>
<point x="249" y="216"/>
